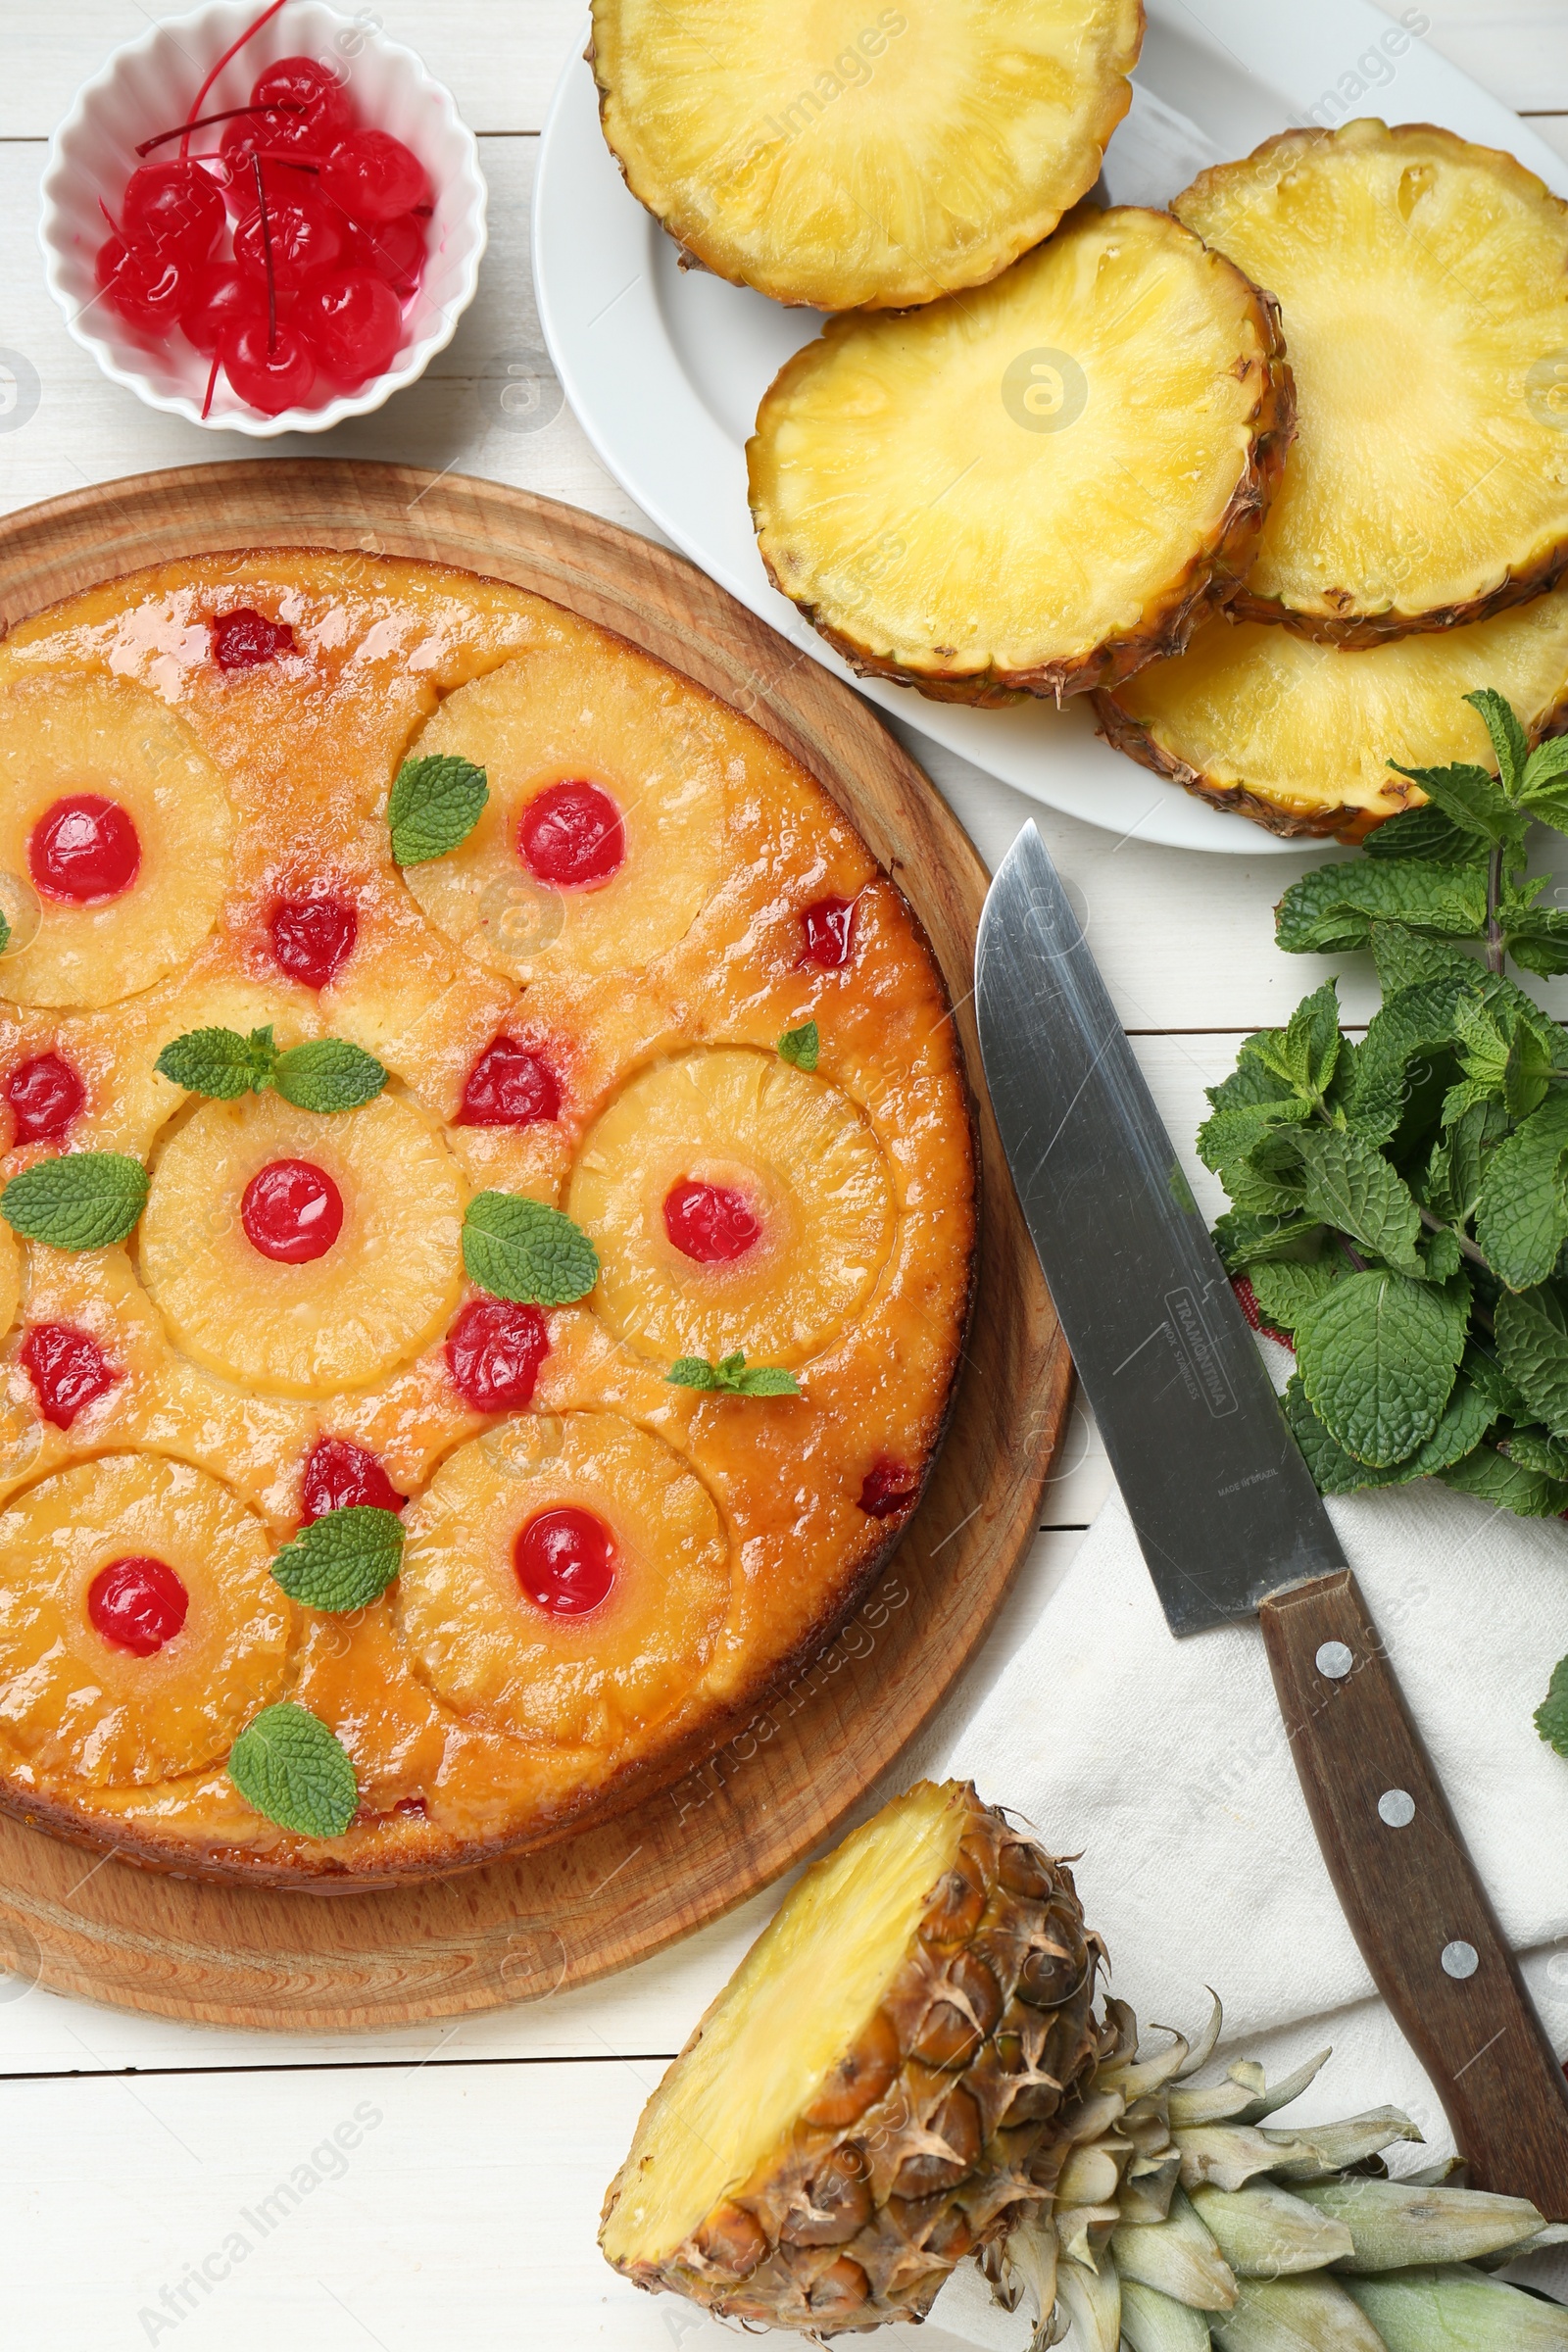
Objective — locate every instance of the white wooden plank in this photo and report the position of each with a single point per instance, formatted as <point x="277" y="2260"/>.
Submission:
<point x="1517" y="49"/>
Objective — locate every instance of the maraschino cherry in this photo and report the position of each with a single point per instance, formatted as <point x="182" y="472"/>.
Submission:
<point x="509" y="1086"/>
<point x="304" y="86"/>
<point x="571" y="836"/>
<point x="68" y="1369"/>
<point x="173" y="204"/>
<point x="352" y="321"/>
<point x="151" y="287"/>
<point x="137" y="1603"/>
<point x="313" y="937"/>
<point x="292" y="1212"/>
<point x="565" y="1561"/>
<point x="339" y="1474"/>
<point x="374" y="178"/>
<point x="45" y="1095"/>
<point x="708" y="1222"/>
<point x="494" y="1352"/>
<point x="82" y="849"/>
<point x="243" y="638"/>
<point x="827" y="928"/>
<point x="223" y="300"/>
<point x="887" y="1487"/>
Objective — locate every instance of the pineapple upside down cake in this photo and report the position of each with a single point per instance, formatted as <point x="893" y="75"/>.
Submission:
<point x="488" y="1218"/>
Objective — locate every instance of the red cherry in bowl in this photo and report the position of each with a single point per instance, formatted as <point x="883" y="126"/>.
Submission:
<point x="45" y="1095"/>
<point x="304" y="233"/>
<point x="494" y="1352"/>
<point x="267" y="134"/>
<point x="305" y="88"/>
<point x="509" y="1086"/>
<point x="68" y="1369"/>
<point x="137" y="1603"/>
<point x="571" y="836"/>
<point x="83" y="849"/>
<point x="352" y="321"/>
<point x="292" y="1213"/>
<point x="565" y="1561"/>
<point x="313" y="937"/>
<point x="223" y="300"/>
<point x="708" y="1222"/>
<point x="269" y="372"/>
<point x="340" y="1475"/>
<point x="173" y="204"/>
<point x="395" y="250"/>
<point x="374" y="178"/>
<point x="150" y="287"/>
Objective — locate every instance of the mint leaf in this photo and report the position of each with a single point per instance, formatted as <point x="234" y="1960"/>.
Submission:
<point x="1287" y="1288"/>
<point x="329" y="1075"/>
<point x="800" y="1045"/>
<point x="289" y="1767"/>
<point x="1245" y="1240"/>
<point x="1535" y="937"/>
<point x="1350" y="1185"/>
<point x="1231" y="1134"/>
<point x="1508" y="737"/>
<point x="219" y="1062"/>
<point x="518" y="1248"/>
<point x="1408" y="960"/>
<point x="1470" y="800"/>
<point x="1546" y="785"/>
<point x="1547" y="1456"/>
<point x="1551" y="1716"/>
<point x="1522" y="1214"/>
<point x="1378" y="1355"/>
<point x="1532" y="1349"/>
<point x="434" y="804"/>
<point x="1483" y="1372"/>
<point x="730" y="1377"/>
<point x="1466" y="1418"/>
<point x="1422" y="833"/>
<point x="82" y="1201"/>
<point x="1305" y="1054"/>
<point x="1413" y="1025"/>
<point x="1451" y="1185"/>
<point x="342" y="1560"/>
<point x="1336" y="907"/>
<point x="1491" y="1478"/>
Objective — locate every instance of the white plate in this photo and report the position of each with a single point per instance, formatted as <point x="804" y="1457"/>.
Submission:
<point x="665" y="367"/>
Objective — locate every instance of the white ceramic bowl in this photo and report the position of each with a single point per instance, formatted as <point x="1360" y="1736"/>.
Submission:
<point x="148" y="86"/>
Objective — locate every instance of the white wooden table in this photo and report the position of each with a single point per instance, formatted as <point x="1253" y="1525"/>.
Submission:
<point x="169" y="2185"/>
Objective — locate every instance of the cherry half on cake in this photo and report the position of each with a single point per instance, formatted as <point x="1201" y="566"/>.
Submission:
<point x="45" y="1095"/>
<point x="340" y="1475"/>
<point x="313" y="937"/>
<point x="887" y="1487"/>
<point x="245" y="639"/>
<point x="292" y="1213"/>
<point x="708" y="1222"/>
<point x="565" y="1561"/>
<point x="494" y="1352"/>
<point x="571" y="836"/>
<point x="68" y="1369"/>
<point x="509" y="1086"/>
<point x="138" y="1604"/>
<point x="827" y="929"/>
<point x="83" y="849"/>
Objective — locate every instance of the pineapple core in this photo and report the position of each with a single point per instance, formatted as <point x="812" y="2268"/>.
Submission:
<point x="800" y="2000"/>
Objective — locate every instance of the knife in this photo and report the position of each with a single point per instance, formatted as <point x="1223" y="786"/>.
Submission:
<point x="1231" y="1525"/>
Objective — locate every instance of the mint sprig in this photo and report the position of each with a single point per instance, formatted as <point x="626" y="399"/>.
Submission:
<point x="524" y="1250"/>
<point x="326" y="1075"/>
<point x="343" y="1560"/>
<point x="82" y="1201"/>
<point x="288" y="1766"/>
<point x="1551" y="1716"/>
<point x="434" y="806"/>
<point x="731" y="1377"/>
<point x="801" y="1046"/>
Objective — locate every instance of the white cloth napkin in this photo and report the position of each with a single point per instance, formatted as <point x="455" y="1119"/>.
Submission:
<point x="1163" y="1763"/>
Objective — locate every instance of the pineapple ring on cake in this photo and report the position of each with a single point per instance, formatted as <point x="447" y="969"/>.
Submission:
<point x="1036" y="488"/>
<point x="119" y="828"/>
<point x="602" y="838"/>
<point x="570" y="1595"/>
<point x="1299" y="736"/>
<point x="140" y="1624"/>
<point x="848" y="157"/>
<point x="735" y="1201"/>
<point x="302" y="1254"/>
<point x="1421" y="284"/>
<point x="10" y="1279"/>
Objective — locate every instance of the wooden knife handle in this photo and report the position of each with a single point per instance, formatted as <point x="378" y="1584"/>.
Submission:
<point x="1410" y="1890"/>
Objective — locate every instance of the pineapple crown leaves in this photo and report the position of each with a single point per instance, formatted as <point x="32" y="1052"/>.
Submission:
<point x="800" y="1047"/>
<point x="288" y="1766"/>
<point x="521" y="1249"/>
<point x="731" y="1376"/>
<point x="326" y="1075"/>
<point x="434" y="806"/>
<point x="82" y="1201"/>
<point x="343" y="1560"/>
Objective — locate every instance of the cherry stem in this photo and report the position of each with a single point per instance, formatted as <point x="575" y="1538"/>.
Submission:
<point x="266" y="256"/>
<point x="212" y="381"/>
<point x="183" y="130"/>
<point x="266" y="18"/>
<point x="281" y="155"/>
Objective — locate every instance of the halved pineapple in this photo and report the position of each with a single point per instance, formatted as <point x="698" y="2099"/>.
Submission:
<point x="1422" y="285"/>
<point x="810" y="1181"/>
<point x="633" y="1534"/>
<point x="1299" y="736"/>
<point x="603" y="835"/>
<point x="384" y="1289"/>
<point x="75" y="1701"/>
<point x="850" y="157"/>
<point x="1037" y="488"/>
<point x="877" y="2089"/>
<point x="101" y="741"/>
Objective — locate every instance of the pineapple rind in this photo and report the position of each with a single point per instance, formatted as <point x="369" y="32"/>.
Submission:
<point x="940" y="532"/>
<point x="1428" y="486"/>
<point x="776" y="145"/>
<point x="1299" y="735"/>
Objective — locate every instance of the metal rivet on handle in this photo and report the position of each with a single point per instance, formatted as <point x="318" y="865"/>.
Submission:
<point x="1396" y="1806"/>
<point x="1460" y="1960"/>
<point x="1335" y="1660"/>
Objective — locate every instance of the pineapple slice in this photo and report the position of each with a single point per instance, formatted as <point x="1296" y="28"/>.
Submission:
<point x="570" y="1593"/>
<point x="76" y="1701"/>
<point x="1038" y="488"/>
<point x="104" y="743"/>
<point x="848" y="157"/>
<point x="1299" y="735"/>
<point x="727" y="1146"/>
<point x="603" y="836"/>
<point x="10" y="1279"/>
<point x="875" y="2091"/>
<point x="380" y="1293"/>
<point x="1421" y="281"/>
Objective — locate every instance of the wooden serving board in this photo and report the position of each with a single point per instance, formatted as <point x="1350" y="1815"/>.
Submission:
<point x="515" y="1930"/>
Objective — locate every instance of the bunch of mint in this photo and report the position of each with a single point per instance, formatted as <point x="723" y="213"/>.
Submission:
<point x="1401" y="1207"/>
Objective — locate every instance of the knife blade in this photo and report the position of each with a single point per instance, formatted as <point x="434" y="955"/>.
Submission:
<point x="1229" y="1520"/>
